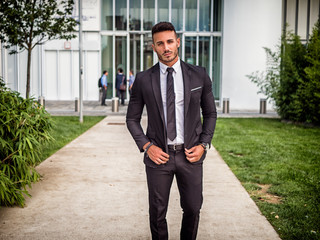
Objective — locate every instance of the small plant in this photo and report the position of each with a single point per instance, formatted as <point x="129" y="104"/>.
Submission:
<point x="24" y="127"/>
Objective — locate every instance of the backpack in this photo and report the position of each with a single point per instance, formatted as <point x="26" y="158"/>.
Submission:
<point x="99" y="83"/>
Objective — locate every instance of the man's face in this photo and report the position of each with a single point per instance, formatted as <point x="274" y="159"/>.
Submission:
<point x="166" y="45"/>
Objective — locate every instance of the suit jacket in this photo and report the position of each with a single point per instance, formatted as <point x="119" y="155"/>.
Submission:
<point x="146" y="91"/>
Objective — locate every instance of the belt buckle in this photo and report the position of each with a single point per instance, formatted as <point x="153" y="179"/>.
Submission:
<point x="174" y="147"/>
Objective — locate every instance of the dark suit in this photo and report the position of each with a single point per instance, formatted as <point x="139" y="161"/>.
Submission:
<point x="197" y="94"/>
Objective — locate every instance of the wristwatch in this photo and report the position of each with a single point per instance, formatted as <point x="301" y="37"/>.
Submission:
<point x="204" y="145"/>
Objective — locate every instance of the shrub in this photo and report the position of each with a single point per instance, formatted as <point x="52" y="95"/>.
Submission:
<point x="292" y="78"/>
<point x="24" y="127"/>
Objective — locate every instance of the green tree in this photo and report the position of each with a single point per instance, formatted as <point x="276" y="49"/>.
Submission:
<point x="292" y="77"/>
<point x="28" y="23"/>
<point x="310" y="89"/>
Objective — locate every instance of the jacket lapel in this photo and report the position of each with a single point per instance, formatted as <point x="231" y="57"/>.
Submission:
<point x="155" y="81"/>
<point x="187" y="87"/>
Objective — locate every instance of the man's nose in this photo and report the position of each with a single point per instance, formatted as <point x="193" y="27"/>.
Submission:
<point x="166" y="46"/>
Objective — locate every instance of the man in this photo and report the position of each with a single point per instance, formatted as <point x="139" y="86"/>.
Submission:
<point x="104" y="83"/>
<point x="175" y="142"/>
<point x="120" y="79"/>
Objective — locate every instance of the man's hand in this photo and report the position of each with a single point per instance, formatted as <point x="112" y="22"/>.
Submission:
<point x="194" y="154"/>
<point x="156" y="154"/>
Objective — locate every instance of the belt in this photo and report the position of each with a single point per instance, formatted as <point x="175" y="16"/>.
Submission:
<point x="176" y="147"/>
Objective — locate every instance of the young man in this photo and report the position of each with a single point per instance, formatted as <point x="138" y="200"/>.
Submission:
<point x="104" y="83"/>
<point x="120" y="78"/>
<point x="175" y="142"/>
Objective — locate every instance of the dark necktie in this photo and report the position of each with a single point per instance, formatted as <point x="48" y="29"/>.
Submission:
<point x="171" y="112"/>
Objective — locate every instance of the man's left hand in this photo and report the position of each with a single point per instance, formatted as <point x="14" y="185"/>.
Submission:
<point x="194" y="154"/>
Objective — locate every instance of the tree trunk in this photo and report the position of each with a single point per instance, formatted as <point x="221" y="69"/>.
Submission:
<point x="28" y="73"/>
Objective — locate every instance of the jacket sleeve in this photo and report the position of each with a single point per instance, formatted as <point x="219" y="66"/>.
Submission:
<point x="133" y="118"/>
<point x="209" y="111"/>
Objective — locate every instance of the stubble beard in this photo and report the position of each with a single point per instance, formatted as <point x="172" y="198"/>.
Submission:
<point x="165" y="60"/>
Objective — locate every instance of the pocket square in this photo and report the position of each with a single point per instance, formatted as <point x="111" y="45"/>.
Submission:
<point x="194" y="89"/>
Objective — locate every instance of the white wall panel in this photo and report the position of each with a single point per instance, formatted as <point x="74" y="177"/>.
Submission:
<point x="65" y="86"/>
<point x="75" y="74"/>
<point x="22" y="74"/>
<point x="249" y="25"/>
<point x="51" y="83"/>
<point x="91" y="76"/>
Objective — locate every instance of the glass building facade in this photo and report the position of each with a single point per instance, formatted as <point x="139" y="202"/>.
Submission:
<point x="126" y="35"/>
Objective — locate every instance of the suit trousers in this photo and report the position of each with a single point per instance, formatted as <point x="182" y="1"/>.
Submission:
<point x="104" y="95"/>
<point x="189" y="181"/>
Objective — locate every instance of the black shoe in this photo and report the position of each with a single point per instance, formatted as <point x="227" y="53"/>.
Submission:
<point x="103" y="104"/>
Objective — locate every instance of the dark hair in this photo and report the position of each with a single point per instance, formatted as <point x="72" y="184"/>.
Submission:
<point x="120" y="70"/>
<point x="104" y="72"/>
<point x="163" y="26"/>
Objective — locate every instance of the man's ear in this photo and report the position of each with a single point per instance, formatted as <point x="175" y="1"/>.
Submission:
<point x="152" y="45"/>
<point x="178" y="41"/>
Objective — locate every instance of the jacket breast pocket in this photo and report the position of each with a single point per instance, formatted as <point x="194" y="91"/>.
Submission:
<point x="196" y="93"/>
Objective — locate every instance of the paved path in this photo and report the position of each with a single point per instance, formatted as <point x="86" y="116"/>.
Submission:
<point x="90" y="193"/>
<point x="94" y="108"/>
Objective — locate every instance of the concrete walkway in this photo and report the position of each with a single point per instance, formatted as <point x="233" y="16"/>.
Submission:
<point x="93" y="108"/>
<point x="88" y="192"/>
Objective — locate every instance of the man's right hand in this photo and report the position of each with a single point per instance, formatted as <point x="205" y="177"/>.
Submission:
<point x="157" y="155"/>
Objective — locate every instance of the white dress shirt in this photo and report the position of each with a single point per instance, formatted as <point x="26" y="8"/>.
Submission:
<point x="179" y="98"/>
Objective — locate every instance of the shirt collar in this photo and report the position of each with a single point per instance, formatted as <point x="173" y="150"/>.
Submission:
<point x="163" y="67"/>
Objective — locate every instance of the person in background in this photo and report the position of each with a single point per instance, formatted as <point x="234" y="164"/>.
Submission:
<point x="104" y="83"/>
<point x="120" y="79"/>
<point x="131" y="81"/>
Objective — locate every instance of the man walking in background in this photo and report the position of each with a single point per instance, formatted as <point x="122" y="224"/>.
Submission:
<point x="176" y="140"/>
<point x="104" y="83"/>
<point x="121" y="83"/>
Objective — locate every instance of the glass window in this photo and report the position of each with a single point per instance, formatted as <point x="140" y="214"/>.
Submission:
<point x="191" y="15"/>
<point x="217" y="8"/>
<point x="302" y="19"/>
<point x="177" y="14"/>
<point x="291" y="15"/>
<point x="163" y="10"/>
<point x="135" y="15"/>
<point x="314" y="13"/>
<point x="179" y="35"/>
<point x="106" y="15"/>
<point x="135" y="53"/>
<point x="204" y="52"/>
<point x="106" y="61"/>
<point x="121" y="54"/>
<point x="216" y="67"/>
<point x="148" y="14"/>
<point x="191" y="50"/>
<point x="147" y="51"/>
<point x="205" y="15"/>
<point x="121" y="14"/>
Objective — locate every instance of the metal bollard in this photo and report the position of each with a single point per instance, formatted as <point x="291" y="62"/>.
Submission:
<point x="225" y="105"/>
<point x="115" y="104"/>
<point x="263" y="106"/>
<point x="42" y="101"/>
<point x="76" y="105"/>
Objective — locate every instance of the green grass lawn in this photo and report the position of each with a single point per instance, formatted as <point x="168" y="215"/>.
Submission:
<point x="65" y="129"/>
<point x="279" y="165"/>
